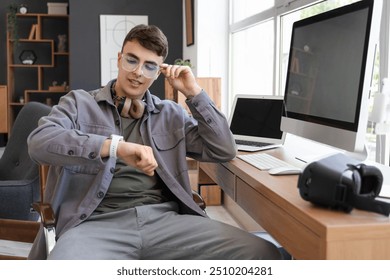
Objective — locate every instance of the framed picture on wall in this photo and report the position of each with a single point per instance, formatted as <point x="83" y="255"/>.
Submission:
<point x="189" y="14"/>
<point x="113" y="30"/>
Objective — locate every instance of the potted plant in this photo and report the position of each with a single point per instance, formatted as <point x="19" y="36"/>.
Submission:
<point x="12" y="24"/>
<point x="180" y="61"/>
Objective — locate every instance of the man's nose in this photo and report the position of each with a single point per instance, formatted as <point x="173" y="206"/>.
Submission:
<point x="138" y="70"/>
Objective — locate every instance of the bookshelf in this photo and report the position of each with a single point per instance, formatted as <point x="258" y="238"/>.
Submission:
<point x="37" y="61"/>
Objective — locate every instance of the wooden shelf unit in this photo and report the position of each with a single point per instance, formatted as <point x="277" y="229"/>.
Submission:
<point x="3" y="110"/>
<point x="212" y="85"/>
<point x="37" y="34"/>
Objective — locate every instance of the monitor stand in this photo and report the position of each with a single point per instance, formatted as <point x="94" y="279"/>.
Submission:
<point x="358" y="155"/>
<point x="308" y="151"/>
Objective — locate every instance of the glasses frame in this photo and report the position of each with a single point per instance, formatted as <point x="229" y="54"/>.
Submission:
<point x="124" y="63"/>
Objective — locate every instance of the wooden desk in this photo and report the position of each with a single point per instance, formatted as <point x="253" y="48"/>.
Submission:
<point x="306" y="231"/>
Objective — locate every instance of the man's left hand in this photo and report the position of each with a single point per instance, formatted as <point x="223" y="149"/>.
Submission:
<point x="181" y="78"/>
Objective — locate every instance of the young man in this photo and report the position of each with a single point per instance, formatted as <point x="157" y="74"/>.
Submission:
<point x="130" y="198"/>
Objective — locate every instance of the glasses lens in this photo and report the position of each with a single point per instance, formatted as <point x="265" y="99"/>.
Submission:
<point x="130" y="64"/>
<point x="150" y="70"/>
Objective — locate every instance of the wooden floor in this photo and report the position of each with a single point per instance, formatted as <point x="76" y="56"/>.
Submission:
<point x="14" y="249"/>
<point x="221" y="214"/>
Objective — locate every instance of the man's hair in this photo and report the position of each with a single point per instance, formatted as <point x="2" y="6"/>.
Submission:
<point x="150" y="37"/>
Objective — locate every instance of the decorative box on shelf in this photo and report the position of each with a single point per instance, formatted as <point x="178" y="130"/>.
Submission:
<point x="57" y="88"/>
<point x="57" y="8"/>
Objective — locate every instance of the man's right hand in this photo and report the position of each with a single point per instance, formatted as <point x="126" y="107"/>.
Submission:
<point x="138" y="156"/>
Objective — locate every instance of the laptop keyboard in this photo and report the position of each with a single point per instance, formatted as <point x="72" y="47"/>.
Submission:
<point x="263" y="161"/>
<point x="251" y="143"/>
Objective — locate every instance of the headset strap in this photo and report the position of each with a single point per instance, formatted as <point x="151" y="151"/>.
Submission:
<point x="371" y="204"/>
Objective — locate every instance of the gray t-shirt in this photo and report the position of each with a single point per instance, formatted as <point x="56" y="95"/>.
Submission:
<point x="131" y="187"/>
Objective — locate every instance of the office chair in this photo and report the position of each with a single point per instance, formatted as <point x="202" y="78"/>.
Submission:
<point x="49" y="221"/>
<point x="19" y="175"/>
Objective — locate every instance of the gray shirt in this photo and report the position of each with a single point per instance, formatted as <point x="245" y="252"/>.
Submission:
<point x="69" y="140"/>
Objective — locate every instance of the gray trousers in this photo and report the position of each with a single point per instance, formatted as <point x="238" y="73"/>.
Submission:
<point x="159" y="232"/>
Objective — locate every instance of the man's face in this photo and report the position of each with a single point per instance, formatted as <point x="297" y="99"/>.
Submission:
<point x="136" y="68"/>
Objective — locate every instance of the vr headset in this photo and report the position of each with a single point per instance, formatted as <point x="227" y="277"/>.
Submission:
<point x="342" y="183"/>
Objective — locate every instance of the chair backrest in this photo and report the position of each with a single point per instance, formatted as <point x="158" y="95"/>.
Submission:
<point x="16" y="164"/>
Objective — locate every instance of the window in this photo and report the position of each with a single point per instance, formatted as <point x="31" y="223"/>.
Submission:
<point x="253" y="59"/>
<point x="260" y="33"/>
<point x="258" y="54"/>
<point x="243" y="9"/>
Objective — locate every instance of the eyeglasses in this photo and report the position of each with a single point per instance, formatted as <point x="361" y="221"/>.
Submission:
<point x="130" y="64"/>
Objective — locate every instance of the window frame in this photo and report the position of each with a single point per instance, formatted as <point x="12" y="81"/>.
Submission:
<point x="283" y="7"/>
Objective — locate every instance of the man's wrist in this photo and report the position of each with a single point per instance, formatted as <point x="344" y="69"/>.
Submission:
<point x="115" y="139"/>
<point x="194" y="92"/>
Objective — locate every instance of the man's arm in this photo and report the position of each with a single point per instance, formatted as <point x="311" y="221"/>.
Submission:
<point x="211" y="139"/>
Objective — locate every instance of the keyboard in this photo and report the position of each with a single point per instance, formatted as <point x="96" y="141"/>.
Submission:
<point x="263" y="161"/>
<point x="251" y="143"/>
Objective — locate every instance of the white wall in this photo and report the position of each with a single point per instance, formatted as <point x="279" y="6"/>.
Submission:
<point x="209" y="54"/>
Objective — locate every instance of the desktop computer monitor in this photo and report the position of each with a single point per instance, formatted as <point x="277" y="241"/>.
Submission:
<point x="329" y="75"/>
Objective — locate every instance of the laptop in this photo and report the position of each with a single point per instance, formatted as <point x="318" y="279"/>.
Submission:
<point x="255" y="122"/>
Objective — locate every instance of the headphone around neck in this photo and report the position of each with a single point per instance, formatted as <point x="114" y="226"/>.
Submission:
<point x="128" y="107"/>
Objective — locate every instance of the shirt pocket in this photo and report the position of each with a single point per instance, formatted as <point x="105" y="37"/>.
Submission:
<point x="171" y="148"/>
<point x="99" y="129"/>
<point x="169" y="140"/>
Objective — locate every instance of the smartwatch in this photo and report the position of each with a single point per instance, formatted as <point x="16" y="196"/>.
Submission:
<point x="114" y="144"/>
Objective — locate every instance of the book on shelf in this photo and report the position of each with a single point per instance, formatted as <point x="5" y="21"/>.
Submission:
<point x="33" y="32"/>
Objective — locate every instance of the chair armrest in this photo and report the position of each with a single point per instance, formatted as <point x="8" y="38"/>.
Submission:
<point x="46" y="212"/>
<point x="48" y="220"/>
<point x="199" y="200"/>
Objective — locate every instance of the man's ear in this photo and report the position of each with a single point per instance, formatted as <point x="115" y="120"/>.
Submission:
<point x="118" y="60"/>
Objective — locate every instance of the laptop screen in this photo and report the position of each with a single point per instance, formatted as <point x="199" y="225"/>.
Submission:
<point x="257" y="118"/>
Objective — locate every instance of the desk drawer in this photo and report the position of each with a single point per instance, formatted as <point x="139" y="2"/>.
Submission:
<point x="221" y="176"/>
<point x="296" y="238"/>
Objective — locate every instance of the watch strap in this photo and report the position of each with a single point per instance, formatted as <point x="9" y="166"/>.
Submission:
<point x="114" y="144"/>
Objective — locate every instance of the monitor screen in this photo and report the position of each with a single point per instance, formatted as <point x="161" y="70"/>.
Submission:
<point x="329" y="75"/>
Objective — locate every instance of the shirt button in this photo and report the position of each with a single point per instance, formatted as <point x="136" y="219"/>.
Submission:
<point x="71" y="152"/>
<point x="209" y="121"/>
<point x="112" y="170"/>
<point x="117" y="122"/>
<point x="92" y="155"/>
<point x="83" y="216"/>
<point x="196" y="104"/>
<point x="100" y="194"/>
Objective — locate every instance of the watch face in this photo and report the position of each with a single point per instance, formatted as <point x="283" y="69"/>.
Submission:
<point x="23" y="10"/>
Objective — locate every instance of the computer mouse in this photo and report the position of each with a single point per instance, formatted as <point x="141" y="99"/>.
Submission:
<point x="285" y="170"/>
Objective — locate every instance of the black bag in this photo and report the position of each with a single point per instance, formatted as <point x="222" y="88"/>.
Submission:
<point x="342" y="183"/>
